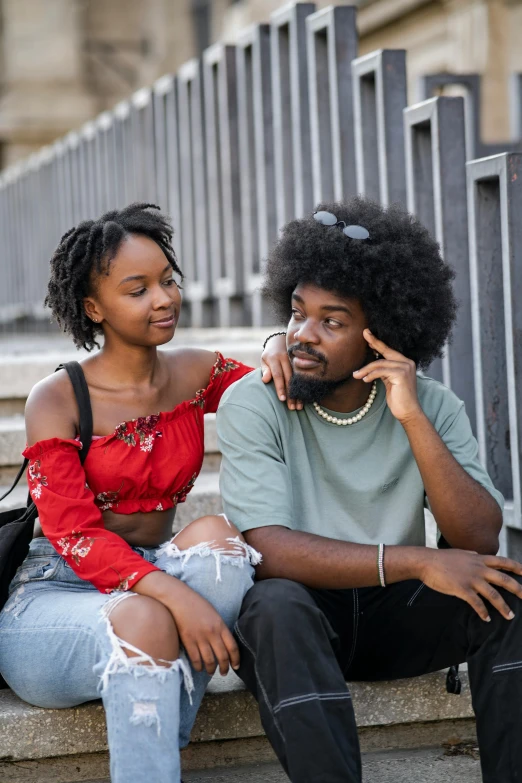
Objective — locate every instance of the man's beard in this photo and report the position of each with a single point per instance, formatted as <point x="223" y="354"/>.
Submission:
<point x="310" y="389"/>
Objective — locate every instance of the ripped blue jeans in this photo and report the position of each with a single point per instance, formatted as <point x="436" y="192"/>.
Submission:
<point x="58" y="649"/>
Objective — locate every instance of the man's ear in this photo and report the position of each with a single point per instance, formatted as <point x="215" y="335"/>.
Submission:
<point x="91" y="310"/>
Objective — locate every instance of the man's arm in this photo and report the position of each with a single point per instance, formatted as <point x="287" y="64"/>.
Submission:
<point x="466" y="513"/>
<point x="326" y="563"/>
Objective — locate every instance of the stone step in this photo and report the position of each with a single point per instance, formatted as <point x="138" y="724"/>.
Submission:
<point x="450" y="764"/>
<point x="418" y="710"/>
<point x="12" y="438"/>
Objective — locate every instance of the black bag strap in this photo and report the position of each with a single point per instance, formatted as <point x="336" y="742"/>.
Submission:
<point x="81" y="392"/>
<point x="17" y="479"/>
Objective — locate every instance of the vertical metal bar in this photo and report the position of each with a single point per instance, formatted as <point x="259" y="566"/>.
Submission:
<point x="292" y="149"/>
<point x="495" y="237"/>
<point x="194" y="197"/>
<point x="436" y="193"/>
<point x="380" y="97"/>
<point x="223" y="182"/>
<point x="168" y="154"/>
<point x="88" y="133"/>
<point x="332" y="45"/>
<point x="256" y="155"/>
<point x="515" y="94"/>
<point x="142" y="124"/>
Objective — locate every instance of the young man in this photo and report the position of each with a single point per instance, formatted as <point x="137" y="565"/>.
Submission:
<point x="333" y="496"/>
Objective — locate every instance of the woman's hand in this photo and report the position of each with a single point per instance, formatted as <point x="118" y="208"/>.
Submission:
<point x="276" y="367"/>
<point x="471" y="577"/>
<point x="205" y="637"/>
<point x="202" y="632"/>
<point x="399" y="376"/>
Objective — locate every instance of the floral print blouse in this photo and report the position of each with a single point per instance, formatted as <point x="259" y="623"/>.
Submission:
<point x="147" y="464"/>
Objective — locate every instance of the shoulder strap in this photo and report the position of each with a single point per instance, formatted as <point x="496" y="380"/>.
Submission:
<point x="81" y="392"/>
<point x="17" y="479"/>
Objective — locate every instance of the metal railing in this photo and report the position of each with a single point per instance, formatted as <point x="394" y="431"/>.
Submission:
<point x="251" y="135"/>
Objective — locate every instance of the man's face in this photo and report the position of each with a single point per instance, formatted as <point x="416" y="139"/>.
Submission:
<point x="325" y="342"/>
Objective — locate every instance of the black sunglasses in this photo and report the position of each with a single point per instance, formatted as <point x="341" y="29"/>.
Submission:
<point x="354" y="232"/>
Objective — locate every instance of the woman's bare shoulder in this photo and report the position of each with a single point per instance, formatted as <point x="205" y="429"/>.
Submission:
<point x="194" y="363"/>
<point x="50" y="410"/>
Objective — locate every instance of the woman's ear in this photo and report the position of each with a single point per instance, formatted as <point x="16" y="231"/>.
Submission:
<point x="91" y="310"/>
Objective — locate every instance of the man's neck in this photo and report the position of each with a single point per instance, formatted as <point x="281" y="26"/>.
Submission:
<point x="347" y="397"/>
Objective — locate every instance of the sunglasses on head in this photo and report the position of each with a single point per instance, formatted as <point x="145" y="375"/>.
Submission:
<point x="354" y="232"/>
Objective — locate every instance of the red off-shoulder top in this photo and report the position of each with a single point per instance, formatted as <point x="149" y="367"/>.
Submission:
<point x="147" y="464"/>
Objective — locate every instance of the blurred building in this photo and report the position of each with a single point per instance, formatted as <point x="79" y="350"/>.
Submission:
<point x="64" y="61"/>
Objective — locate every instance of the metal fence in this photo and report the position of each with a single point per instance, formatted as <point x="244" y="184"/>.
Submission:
<point x="251" y="135"/>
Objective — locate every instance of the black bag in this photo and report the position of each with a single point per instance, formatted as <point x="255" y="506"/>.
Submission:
<point x="16" y="526"/>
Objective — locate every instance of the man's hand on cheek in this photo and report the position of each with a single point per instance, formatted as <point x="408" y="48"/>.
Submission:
<point x="399" y="376"/>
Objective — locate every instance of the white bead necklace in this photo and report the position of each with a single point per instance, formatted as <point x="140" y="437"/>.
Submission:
<point x="343" y="422"/>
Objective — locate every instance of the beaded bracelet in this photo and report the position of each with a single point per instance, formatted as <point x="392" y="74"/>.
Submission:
<point x="275" y="334"/>
<point x="380" y="565"/>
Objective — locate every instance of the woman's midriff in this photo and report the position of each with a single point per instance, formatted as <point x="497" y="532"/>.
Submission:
<point x="151" y="529"/>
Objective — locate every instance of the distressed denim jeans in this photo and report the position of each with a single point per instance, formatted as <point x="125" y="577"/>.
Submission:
<point x="58" y="649"/>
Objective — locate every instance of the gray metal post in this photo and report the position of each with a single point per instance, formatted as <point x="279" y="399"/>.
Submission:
<point x="292" y="147"/>
<point x="495" y="243"/>
<point x="380" y="96"/>
<point x="142" y="130"/>
<point x="436" y="193"/>
<point x="223" y="182"/>
<point x="256" y="159"/>
<point x="194" y="214"/>
<point x="332" y="45"/>
<point x="167" y="154"/>
<point x="515" y="94"/>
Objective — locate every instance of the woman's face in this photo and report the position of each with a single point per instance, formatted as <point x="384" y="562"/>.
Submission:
<point x="138" y="300"/>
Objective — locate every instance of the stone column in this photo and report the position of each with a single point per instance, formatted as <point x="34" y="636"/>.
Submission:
<point x="43" y="91"/>
<point x="478" y="35"/>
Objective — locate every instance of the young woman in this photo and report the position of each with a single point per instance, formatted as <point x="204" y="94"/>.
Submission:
<point x="69" y="632"/>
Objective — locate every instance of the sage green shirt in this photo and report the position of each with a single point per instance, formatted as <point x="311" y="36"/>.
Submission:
<point x="357" y="483"/>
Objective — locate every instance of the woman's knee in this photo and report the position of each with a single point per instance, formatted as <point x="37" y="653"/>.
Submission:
<point x="212" y="529"/>
<point x="147" y="625"/>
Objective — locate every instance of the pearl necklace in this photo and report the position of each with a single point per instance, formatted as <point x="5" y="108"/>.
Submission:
<point x="343" y="422"/>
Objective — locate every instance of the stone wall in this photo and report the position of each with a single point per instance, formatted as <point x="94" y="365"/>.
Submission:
<point x="64" y="61"/>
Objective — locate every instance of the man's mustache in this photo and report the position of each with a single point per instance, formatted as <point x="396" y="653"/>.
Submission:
<point x="307" y="349"/>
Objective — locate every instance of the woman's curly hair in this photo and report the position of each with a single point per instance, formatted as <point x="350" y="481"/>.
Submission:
<point x="87" y="251"/>
<point x="397" y="275"/>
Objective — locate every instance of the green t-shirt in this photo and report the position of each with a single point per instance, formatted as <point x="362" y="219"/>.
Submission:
<point x="357" y="483"/>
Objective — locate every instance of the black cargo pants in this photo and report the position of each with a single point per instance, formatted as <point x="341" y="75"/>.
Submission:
<point x="299" y="645"/>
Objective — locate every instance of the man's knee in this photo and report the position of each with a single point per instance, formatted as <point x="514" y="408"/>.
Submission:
<point x="276" y="602"/>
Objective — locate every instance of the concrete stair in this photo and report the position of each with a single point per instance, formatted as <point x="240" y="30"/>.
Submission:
<point x="62" y="746"/>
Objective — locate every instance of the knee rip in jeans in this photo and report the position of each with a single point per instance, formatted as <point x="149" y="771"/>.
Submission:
<point x="139" y="665"/>
<point x="236" y="553"/>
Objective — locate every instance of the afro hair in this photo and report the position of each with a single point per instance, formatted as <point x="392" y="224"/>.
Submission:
<point x="397" y="274"/>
